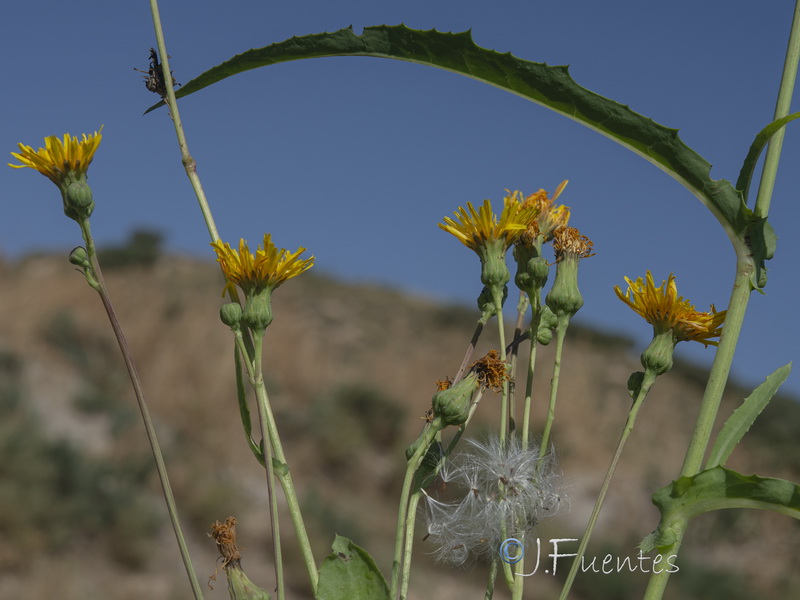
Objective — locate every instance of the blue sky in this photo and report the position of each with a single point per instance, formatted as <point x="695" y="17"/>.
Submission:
<point x="358" y="159"/>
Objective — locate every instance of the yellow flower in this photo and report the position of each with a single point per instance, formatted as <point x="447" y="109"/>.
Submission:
<point x="267" y="269"/>
<point x="477" y="228"/>
<point x="60" y="159"/>
<point x="665" y="310"/>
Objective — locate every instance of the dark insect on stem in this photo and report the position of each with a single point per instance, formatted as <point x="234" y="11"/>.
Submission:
<point x="154" y="76"/>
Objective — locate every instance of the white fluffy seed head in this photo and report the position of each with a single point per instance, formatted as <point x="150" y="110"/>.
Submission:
<point x="502" y="491"/>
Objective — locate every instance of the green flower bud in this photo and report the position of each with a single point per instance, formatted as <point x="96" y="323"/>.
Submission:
<point x="452" y="405"/>
<point x="231" y="314"/>
<point x="532" y="269"/>
<point x="565" y="298"/>
<point x="240" y="587"/>
<point x="257" y="313"/>
<point x="544" y="336"/>
<point x="78" y="202"/>
<point x="79" y="257"/>
<point x="494" y="270"/>
<point x="657" y="357"/>
<point x="547" y="324"/>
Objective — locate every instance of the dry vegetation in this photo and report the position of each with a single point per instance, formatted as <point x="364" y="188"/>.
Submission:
<point x="351" y="370"/>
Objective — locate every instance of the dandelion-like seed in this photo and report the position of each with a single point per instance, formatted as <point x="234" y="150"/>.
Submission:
<point x="505" y="492"/>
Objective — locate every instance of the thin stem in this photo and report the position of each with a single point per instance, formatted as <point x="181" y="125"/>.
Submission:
<point x="98" y="283"/>
<point x="498" y="304"/>
<point x="411" y="518"/>
<point x="782" y="107"/>
<point x="470" y="349"/>
<point x="561" y="332"/>
<point x="285" y="478"/>
<point x="647" y="383"/>
<point x="425" y="440"/>
<point x="257" y="381"/>
<point x="536" y="317"/>
<point x="186" y="158"/>
<point x="522" y="309"/>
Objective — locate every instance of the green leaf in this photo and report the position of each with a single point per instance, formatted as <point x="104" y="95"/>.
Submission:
<point x="743" y="417"/>
<point x="549" y="86"/>
<point x="244" y="410"/>
<point x="715" y="489"/>
<point x="350" y="573"/>
<point x="762" y="138"/>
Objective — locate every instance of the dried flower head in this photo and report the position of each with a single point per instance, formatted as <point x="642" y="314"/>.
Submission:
<point x="568" y="242"/>
<point x="549" y="216"/>
<point x="491" y="371"/>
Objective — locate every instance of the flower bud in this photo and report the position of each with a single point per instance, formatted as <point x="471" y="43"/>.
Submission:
<point x="486" y="303"/>
<point x="79" y="257"/>
<point x="231" y="314"/>
<point x="257" y="313"/>
<point x="240" y="587"/>
<point x="78" y="202"/>
<point x="532" y="269"/>
<point x="564" y="298"/>
<point x="657" y="357"/>
<point x="452" y="405"/>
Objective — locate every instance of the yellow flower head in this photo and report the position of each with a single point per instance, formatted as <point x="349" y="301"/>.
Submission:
<point x="60" y="158"/>
<point x="568" y="242"/>
<point x="267" y="269"/>
<point x="549" y="216"/>
<point x="476" y="229"/>
<point x="664" y="309"/>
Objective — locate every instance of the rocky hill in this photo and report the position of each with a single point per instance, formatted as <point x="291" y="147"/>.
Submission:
<point x="350" y="370"/>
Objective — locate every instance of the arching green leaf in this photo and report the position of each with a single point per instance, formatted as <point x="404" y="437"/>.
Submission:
<point x="550" y="86"/>
<point x="763" y="136"/>
<point x="715" y="489"/>
<point x="743" y="417"/>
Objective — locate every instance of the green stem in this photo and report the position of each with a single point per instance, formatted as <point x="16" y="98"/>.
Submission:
<point x="490" y="581"/>
<point x="411" y="518"/>
<point x="285" y="477"/>
<point x="709" y="406"/>
<point x="427" y="437"/>
<point x="647" y="383"/>
<point x="561" y="332"/>
<point x="536" y="317"/>
<point x="95" y="278"/>
<point x="498" y="304"/>
<point x="186" y="158"/>
<point x="782" y="107"/>
<point x="522" y="309"/>
<point x="740" y="296"/>
<point x="257" y="381"/>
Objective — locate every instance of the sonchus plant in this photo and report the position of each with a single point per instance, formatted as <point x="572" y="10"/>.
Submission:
<point x="507" y="484"/>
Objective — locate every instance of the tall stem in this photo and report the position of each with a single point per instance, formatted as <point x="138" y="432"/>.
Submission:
<point x="98" y="283"/>
<point x="740" y="296"/>
<point x="561" y="332"/>
<point x="257" y="381"/>
<point x="647" y="383"/>
<point x="186" y="158"/>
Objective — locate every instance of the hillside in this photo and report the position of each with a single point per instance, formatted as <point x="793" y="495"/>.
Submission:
<point x="350" y="370"/>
